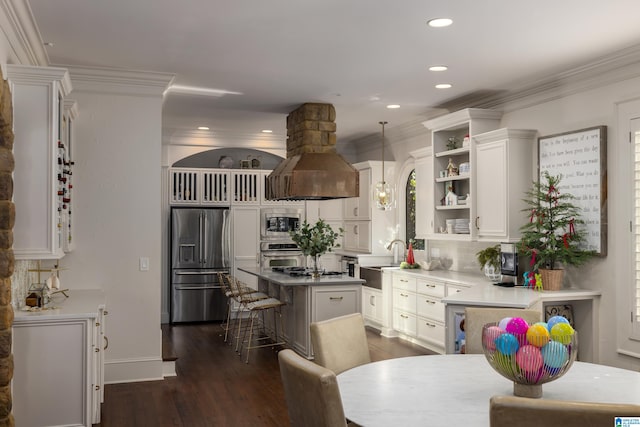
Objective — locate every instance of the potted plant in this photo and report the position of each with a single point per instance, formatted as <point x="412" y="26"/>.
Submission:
<point x="315" y="240"/>
<point x="489" y="260"/>
<point x="553" y="236"/>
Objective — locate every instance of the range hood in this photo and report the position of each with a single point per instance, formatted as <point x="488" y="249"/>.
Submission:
<point x="313" y="170"/>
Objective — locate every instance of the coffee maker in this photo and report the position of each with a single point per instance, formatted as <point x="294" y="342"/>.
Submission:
<point x="509" y="263"/>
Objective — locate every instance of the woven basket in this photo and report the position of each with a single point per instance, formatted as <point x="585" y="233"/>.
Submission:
<point x="551" y="279"/>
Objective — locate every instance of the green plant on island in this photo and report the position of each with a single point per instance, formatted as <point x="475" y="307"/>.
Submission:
<point x="554" y="234"/>
<point x="315" y="240"/>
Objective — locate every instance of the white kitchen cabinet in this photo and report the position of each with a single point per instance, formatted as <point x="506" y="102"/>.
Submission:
<point x="372" y="306"/>
<point x="357" y="236"/>
<point x="418" y="311"/>
<point x="503" y="175"/>
<point x="59" y="362"/>
<point x="367" y="229"/>
<point x="39" y="153"/>
<point x="424" y="192"/>
<point x="199" y="187"/>
<point x="245" y="237"/>
<point x="460" y="126"/>
<point x="359" y="208"/>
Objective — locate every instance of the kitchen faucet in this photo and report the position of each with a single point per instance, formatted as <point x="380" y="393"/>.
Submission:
<point x="395" y="253"/>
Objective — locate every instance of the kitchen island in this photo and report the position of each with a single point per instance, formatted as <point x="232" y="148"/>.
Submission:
<point x="308" y="300"/>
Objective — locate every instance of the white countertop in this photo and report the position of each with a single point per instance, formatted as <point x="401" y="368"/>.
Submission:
<point x="488" y="295"/>
<point x="286" y="280"/>
<point x="457" y="277"/>
<point x="82" y="303"/>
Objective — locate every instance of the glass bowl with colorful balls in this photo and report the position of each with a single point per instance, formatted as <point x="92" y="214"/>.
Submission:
<point x="530" y="355"/>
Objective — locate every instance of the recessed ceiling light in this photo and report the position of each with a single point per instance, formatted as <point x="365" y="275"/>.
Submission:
<point x="443" y="86"/>
<point x="393" y="106"/>
<point x="203" y="128"/>
<point x="439" y="22"/>
<point x="267" y="131"/>
<point x="438" y="68"/>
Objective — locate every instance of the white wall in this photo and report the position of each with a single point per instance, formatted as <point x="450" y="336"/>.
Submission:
<point x="117" y="201"/>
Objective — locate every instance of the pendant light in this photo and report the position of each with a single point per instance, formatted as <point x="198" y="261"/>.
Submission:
<point x="383" y="192"/>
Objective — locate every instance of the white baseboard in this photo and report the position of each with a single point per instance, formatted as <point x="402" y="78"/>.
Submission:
<point x="169" y="368"/>
<point x="133" y="370"/>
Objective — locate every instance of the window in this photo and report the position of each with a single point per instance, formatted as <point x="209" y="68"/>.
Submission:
<point x="410" y="210"/>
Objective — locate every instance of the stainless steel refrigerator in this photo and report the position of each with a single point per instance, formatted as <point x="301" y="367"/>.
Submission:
<point x="200" y="249"/>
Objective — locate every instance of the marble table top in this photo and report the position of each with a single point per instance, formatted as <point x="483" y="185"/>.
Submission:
<point x="455" y="390"/>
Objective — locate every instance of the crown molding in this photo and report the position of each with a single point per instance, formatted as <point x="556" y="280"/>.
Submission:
<point x="19" y="27"/>
<point x="119" y="81"/>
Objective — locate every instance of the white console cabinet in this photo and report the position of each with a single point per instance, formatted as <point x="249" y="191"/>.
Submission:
<point x="40" y="157"/>
<point x="59" y="362"/>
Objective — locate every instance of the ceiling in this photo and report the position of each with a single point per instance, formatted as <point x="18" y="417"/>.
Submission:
<point x="260" y="59"/>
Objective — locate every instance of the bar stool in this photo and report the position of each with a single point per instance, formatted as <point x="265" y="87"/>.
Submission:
<point x="258" y="308"/>
<point x="233" y="295"/>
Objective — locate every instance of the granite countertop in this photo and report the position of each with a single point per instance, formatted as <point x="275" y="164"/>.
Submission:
<point x="286" y="280"/>
<point x="82" y="303"/>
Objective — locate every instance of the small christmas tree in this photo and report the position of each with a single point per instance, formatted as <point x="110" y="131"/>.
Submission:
<point x="553" y="234"/>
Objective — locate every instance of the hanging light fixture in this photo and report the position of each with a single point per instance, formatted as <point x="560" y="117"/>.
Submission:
<point x="383" y="192"/>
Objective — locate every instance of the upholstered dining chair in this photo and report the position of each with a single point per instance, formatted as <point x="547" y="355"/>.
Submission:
<point x="509" y="411"/>
<point x="476" y="317"/>
<point x="340" y="343"/>
<point x="311" y="391"/>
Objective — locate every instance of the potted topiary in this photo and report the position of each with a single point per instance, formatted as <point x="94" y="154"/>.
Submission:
<point x="553" y="236"/>
<point x="315" y="240"/>
<point x="489" y="260"/>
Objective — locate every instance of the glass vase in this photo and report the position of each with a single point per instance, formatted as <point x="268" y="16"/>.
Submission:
<point x="315" y="274"/>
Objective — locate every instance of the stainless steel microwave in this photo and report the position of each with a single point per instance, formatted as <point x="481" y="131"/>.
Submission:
<point x="276" y="223"/>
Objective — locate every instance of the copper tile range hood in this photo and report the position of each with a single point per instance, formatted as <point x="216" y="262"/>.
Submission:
<point x="313" y="170"/>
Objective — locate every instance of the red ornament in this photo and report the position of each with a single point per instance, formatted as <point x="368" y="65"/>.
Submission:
<point x="410" y="259"/>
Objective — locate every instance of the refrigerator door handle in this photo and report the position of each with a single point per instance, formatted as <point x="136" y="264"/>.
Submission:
<point x="204" y="238"/>
<point x="198" y="273"/>
<point x="225" y="238"/>
<point x="194" y="288"/>
<point x="200" y="236"/>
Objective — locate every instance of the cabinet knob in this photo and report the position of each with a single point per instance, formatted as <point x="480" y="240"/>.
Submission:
<point x="105" y="312"/>
<point x="97" y="350"/>
<point x="97" y="387"/>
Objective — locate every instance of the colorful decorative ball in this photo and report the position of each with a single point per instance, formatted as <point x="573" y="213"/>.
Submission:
<point x="529" y="359"/>
<point x="554" y="355"/>
<point x="538" y="335"/>
<point x="555" y="320"/>
<point x="503" y="323"/>
<point x="490" y="336"/>
<point x="562" y="332"/>
<point x="507" y="344"/>
<point x="517" y="325"/>
<point x="546" y="326"/>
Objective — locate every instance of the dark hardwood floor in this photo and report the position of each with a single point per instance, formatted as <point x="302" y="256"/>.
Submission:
<point x="214" y="387"/>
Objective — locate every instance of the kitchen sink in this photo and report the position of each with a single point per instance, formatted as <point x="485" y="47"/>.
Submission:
<point x="373" y="275"/>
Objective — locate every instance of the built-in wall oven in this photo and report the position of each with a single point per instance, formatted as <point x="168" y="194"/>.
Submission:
<point x="280" y="254"/>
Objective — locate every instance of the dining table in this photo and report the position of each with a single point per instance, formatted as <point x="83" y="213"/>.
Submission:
<point x="454" y="389"/>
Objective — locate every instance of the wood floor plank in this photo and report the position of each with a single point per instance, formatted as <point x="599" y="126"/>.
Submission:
<point x="213" y="386"/>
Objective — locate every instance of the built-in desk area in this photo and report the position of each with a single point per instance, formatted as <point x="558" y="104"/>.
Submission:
<point x="584" y="303"/>
<point x="308" y="300"/>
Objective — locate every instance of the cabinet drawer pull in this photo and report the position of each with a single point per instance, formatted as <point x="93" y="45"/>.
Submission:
<point x="355" y="230"/>
<point x="404" y="280"/>
<point x="429" y="285"/>
<point x="97" y="324"/>
<point x="404" y="295"/>
<point x="431" y="325"/>
<point x="477" y="221"/>
<point x="429" y="302"/>
<point x="404" y="316"/>
<point x="372" y="300"/>
<point x="97" y="387"/>
<point x="336" y="298"/>
<point x="105" y="312"/>
<point x="355" y="211"/>
<point x="106" y="342"/>
<point x="97" y="350"/>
